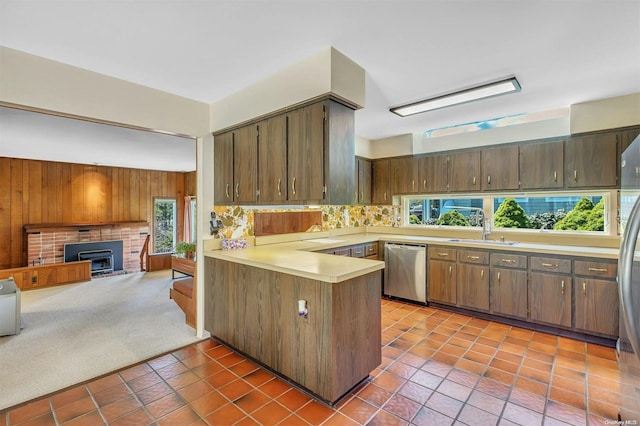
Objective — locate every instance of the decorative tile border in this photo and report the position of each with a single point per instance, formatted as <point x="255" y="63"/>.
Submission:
<point x="238" y="221"/>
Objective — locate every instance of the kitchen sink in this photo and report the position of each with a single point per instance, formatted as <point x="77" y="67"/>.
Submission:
<point x="492" y="242"/>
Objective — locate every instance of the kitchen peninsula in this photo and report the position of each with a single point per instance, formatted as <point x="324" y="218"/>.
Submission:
<point x="252" y="304"/>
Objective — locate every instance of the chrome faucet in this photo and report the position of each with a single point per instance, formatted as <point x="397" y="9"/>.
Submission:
<point x="486" y="229"/>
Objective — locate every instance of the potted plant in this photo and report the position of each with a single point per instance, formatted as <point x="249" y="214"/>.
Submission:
<point x="186" y="250"/>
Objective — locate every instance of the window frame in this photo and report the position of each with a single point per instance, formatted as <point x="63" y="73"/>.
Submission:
<point x="612" y="202"/>
<point x="175" y="223"/>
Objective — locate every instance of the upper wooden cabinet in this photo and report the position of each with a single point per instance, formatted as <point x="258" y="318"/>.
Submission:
<point x="381" y="192"/>
<point x="432" y="173"/>
<point x="591" y="161"/>
<point x="542" y="165"/>
<point x="464" y="171"/>
<point x="306" y="152"/>
<point x="245" y="164"/>
<point x="304" y="155"/>
<point x="363" y="168"/>
<point x="223" y="168"/>
<point x="404" y="175"/>
<point x="272" y="159"/>
<point x="500" y="168"/>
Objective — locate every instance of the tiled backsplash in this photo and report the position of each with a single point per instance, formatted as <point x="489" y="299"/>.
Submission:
<point x="238" y="221"/>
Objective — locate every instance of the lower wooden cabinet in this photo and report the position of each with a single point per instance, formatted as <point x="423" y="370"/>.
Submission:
<point x="442" y="281"/>
<point x="509" y="292"/>
<point x="550" y="298"/>
<point x="597" y="306"/>
<point x="473" y="286"/>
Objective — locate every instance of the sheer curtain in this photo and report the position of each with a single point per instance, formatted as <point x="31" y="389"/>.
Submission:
<point x="187" y="219"/>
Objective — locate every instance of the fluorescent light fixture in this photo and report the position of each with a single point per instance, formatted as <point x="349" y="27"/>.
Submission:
<point x="482" y="91"/>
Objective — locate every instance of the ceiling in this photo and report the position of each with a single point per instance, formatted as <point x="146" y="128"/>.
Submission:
<point x="562" y="52"/>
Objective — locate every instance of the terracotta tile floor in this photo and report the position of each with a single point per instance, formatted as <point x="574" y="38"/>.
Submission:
<point x="438" y="368"/>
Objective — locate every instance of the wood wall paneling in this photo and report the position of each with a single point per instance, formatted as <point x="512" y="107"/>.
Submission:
<point x="45" y="192"/>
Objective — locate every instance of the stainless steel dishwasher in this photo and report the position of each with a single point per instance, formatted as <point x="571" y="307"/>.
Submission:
<point x="405" y="272"/>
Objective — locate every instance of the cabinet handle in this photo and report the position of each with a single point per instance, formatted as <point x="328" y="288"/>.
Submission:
<point x="424" y="184"/>
<point x="226" y="190"/>
<point x="385" y="195"/>
<point x="237" y="187"/>
<point x="293" y="186"/>
<point x="508" y="260"/>
<point x="361" y="196"/>
<point x="449" y="269"/>
<point x="481" y="273"/>
<point x="279" y="189"/>
<point x="488" y="179"/>
<point x="550" y="265"/>
<point x="598" y="269"/>
<point x="443" y="254"/>
<point x="413" y="184"/>
<point x="575" y="175"/>
<point x="555" y="176"/>
<point x="562" y="287"/>
<point x="584" y="289"/>
<point x="473" y="257"/>
<point x="498" y="277"/>
<point x="474" y="180"/>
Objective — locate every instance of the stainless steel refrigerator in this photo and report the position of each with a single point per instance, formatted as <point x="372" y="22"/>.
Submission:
<point x="628" y="346"/>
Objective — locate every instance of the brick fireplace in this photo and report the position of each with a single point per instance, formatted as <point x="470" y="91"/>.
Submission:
<point x="46" y="242"/>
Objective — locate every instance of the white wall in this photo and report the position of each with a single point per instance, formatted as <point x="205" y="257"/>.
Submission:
<point x="328" y="71"/>
<point x="608" y="113"/>
<point x="36" y="82"/>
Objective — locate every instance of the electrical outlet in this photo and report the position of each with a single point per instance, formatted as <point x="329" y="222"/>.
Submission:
<point x="34" y="279"/>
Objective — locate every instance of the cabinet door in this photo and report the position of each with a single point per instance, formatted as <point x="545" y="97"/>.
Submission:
<point x="500" y="168"/>
<point x="245" y="164"/>
<point x="509" y="292"/>
<point x="464" y="171"/>
<point x="542" y="165"/>
<point x="223" y="168"/>
<point x="404" y="175"/>
<point x="380" y="182"/>
<point x="550" y="298"/>
<point x="364" y="181"/>
<point x="442" y="281"/>
<point x="272" y="158"/>
<point x="591" y="161"/>
<point x="306" y="153"/>
<point x="473" y="286"/>
<point x="432" y="173"/>
<point x="597" y="306"/>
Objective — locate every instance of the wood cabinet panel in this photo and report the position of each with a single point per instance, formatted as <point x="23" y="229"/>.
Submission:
<point x="433" y="173"/>
<point x="223" y="168"/>
<point x="473" y="286"/>
<point x="508" y="260"/>
<point x="245" y="164"/>
<point x="464" y="171"/>
<point x="48" y="275"/>
<point x="404" y="175"/>
<point x="381" y="192"/>
<point x="591" y="161"/>
<point x="442" y="281"/>
<point x="542" y="165"/>
<point x="596" y="269"/>
<point x="508" y="289"/>
<point x="364" y="180"/>
<point x="473" y="256"/>
<point x="272" y="159"/>
<point x="500" y="169"/>
<point x="597" y="307"/>
<point x="550" y="298"/>
<point x="550" y="264"/>
<point x="306" y="152"/>
<point x="329" y="352"/>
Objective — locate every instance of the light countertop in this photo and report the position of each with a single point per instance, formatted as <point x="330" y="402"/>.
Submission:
<point x="298" y="257"/>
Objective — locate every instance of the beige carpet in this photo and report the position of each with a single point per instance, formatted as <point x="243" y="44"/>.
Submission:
<point x="75" y="332"/>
